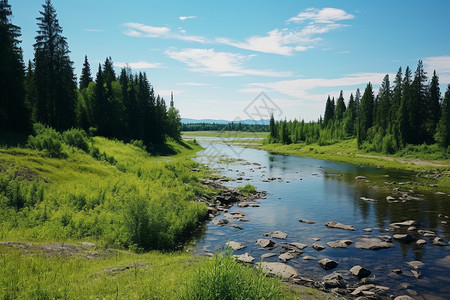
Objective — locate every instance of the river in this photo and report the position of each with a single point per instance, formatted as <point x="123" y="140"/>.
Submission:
<point x="324" y="191"/>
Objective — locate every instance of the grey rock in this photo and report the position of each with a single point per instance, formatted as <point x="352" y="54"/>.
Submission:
<point x="328" y="264"/>
<point x="337" y="225"/>
<point x="279" y="269"/>
<point x="360" y="177"/>
<point x="360" y="272"/>
<point x="235" y="245"/>
<point x="246" y="258"/>
<point x="306" y="221"/>
<point x="373" y="244"/>
<point x="237" y="227"/>
<point x="368" y="229"/>
<point x="266" y="243"/>
<point x="308" y="257"/>
<point x="220" y="222"/>
<point x="403" y="238"/>
<point x="407" y="223"/>
<point x="421" y="242"/>
<point x="340" y="244"/>
<point x="318" y="247"/>
<point x="276" y="235"/>
<point x="397" y="271"/>
<point x="403" y="297"/>
<point x="267" y="255"/>
<point x="292" y="247"/>
<point x="289" y="255"/>
<point x="437" y="241"/>
<point x="334" y="280"/>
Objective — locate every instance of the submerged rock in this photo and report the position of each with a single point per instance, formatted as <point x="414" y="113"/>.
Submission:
<point x="407" y="223"/>
<point x="337" y="225"/>
<point x="246" y="258"/>
<point x="403" y="238"/>
<point x="306" y="221"/>
<point x="289" y="255"/>
<point x="220" y="222"/>
<point x="318" y="247"/>
<point x="437" y="241"/>
<point x="373" y="244"/>
<point x="279" y="269"/>
<point x="340" y="244"/>
<point x="235" y="245"/>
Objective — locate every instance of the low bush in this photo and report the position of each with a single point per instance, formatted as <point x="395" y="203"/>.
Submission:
<point x="46" y="139"/>
<point x="76" y="138"/>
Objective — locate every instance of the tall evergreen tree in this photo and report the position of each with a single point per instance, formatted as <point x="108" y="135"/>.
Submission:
<point x="350" y="117"/>
<point x="443" y="128"/>
<point x="101" y="109"/>
<point x="366" y="115"/>
<point x="418" y="106"/>
<point x="14" y="115"/>
<point x="109" y="75"/>
<point x="340" y="107"/>
<point x="86" y="77"/>
<point x="54" y="77"/>
<point x="329" y="111"/>
<point x="384" y="103"/>
<point x="405" y="129"/>
<point x="433" y="107"/>
<point x="174" y="121"/>
<point x="394" y="112"/>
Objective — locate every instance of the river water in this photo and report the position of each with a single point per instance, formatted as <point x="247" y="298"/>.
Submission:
<point x="324" y="191"/>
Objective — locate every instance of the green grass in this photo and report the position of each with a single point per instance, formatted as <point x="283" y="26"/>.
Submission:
<point x="247" y="190"/>
<point x="228" y="134"/>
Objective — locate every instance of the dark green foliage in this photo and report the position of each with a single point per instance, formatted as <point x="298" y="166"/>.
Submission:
<point x="232" y="126"/>
<point x="443" y="128"/>
<point x="14" y="115"/>
<point x="408" y="113"/>
<point x="86" y="77"/>
<point x="53" y="74"/>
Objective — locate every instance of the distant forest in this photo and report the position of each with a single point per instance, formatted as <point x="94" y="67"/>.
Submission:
<point x="411" y="111"/>
<point x="225" y="127"/>
<point x="121" y="106"/>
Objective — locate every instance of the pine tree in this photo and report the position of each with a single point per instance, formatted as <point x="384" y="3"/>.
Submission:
<point x="350" y="117"/>
<point x="14" y="115"/>
<point x="418" y="106"/>
<point x="433" y="107"/>
<point x="384" y="103"/>
<point x="394" y="112"/>
<point x="174" y="121"/>
<point x="443" y="128"/>
<point x="54" y="77"/>
<point x="329" y="111"/>
<point x="366" y="115"/>
<point x="340" y="107"/>
<point x="101" y="109"/>
<point x="405" y="130"/>
<point x="86" y="77"/>
<point x="109" y="75"/>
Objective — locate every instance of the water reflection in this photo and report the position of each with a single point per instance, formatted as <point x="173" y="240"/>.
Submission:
<point x="325" y="191"/>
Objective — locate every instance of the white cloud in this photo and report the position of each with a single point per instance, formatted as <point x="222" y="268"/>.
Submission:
<point x="324" y="15"/>
<point x="439" y="63"/>
<point x="277" y="41"/>
<point x="301" y="88"/>
<point x="141" y="30"/>
<point x="221" y="63"/>
<point x="193" y="84"/>
<point x="139" y="65"/>
<point x="183" y="18"/>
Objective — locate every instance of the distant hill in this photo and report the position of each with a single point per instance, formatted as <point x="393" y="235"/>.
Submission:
<point x="248" y="121"/>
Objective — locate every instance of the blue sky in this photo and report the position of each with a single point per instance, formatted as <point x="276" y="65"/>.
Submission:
<point x="218" y="56"/>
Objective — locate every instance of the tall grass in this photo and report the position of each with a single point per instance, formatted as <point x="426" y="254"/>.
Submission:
<point x="224" y="278"/>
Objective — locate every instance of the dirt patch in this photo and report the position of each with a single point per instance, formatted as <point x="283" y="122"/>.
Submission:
<point x="412" y="161"/>
<point x="117" y="269"/>
<point x="25" y="173"/>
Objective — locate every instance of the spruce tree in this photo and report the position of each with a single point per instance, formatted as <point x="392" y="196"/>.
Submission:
<point x="418" y="106"/>
<point x="405" y="130"/>
<point x="14" y="115"/>
<point x="384" y="103"/>
<point x="433" y="107"/>
<point x="443" y="128"/>
<point x="86" y="77"/>
<point x="54" y="77"/>
<point x="366" y="115"/>
<point x="394" y="111"/>
<point x="100" y="105"/>
<point x="340" y="107"/>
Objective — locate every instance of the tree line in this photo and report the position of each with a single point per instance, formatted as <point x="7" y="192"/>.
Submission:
<point x="122" y="106"/>
<point x="232" y="126"/>
<point x="411" y="111"/>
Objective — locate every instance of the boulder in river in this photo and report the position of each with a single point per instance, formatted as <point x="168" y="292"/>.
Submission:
<point x="361" y="177"/>
<point x="327" y="263"/>
<point x="306" y="221"/>
<point x="318" y="247"/>
<point x="407" y="223"/>
<point x="220" y="222"/>
<point x="337" y="225"/>
<point x="308" y="257"/>
<point x="416" y="264"/>
<point x="403" y="238"/>
<point x="292" y="246"/>
<point x="360" y="272"/>
<point x="277" y="235"/>
<point x="266" y="243"/>
<point x="373" y="244"/>
<point x="235" y="245"/>
<point x="403" y="297"/>
<point x="340" y="244"/>
<point x="421" y="242"/>
<point x="289" y="255"/>
<point x="437" y="241"/>
<point x="246" y="258"/>
<point x="279" y="269"/>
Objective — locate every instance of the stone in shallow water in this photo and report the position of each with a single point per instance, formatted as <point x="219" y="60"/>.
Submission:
<point x="337" y="225"/>
<point x="277" y="234"/>
<point x="340" y="244"/>
<point x="289" y="255"/>
<point x="246" y="258"/>
<point x="439" y="242"/>
<point x="373" y="244"/>
<point x="318" y="247"/>
<point x="266" y="243"/>
<point x="403" y="238"/>
<point x="360" y="272"/>
<point x="328" y="264"/>
<point x="279" y="269"/>
<point x="235" y="245"/>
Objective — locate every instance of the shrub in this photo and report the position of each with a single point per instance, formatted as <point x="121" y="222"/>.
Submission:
<point x="139" y="144"/>
<point x="76" y="138"/>
<point x="225" y="278"/>
<point x="247" y="190"/>
<point x="46" y="139"/>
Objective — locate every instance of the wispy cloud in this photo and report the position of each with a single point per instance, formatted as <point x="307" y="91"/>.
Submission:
<point x="221" y="63"/>
<point x="142" y="30"/>
<point x="324" y="15"/>
<point x="439" y="63"/>
<point x="139" y="65"/>
<point x="302" y="89"/>
<point x="284" y="41"/>
<point x="183" y="18"/>
<point x="193" y="84"/>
